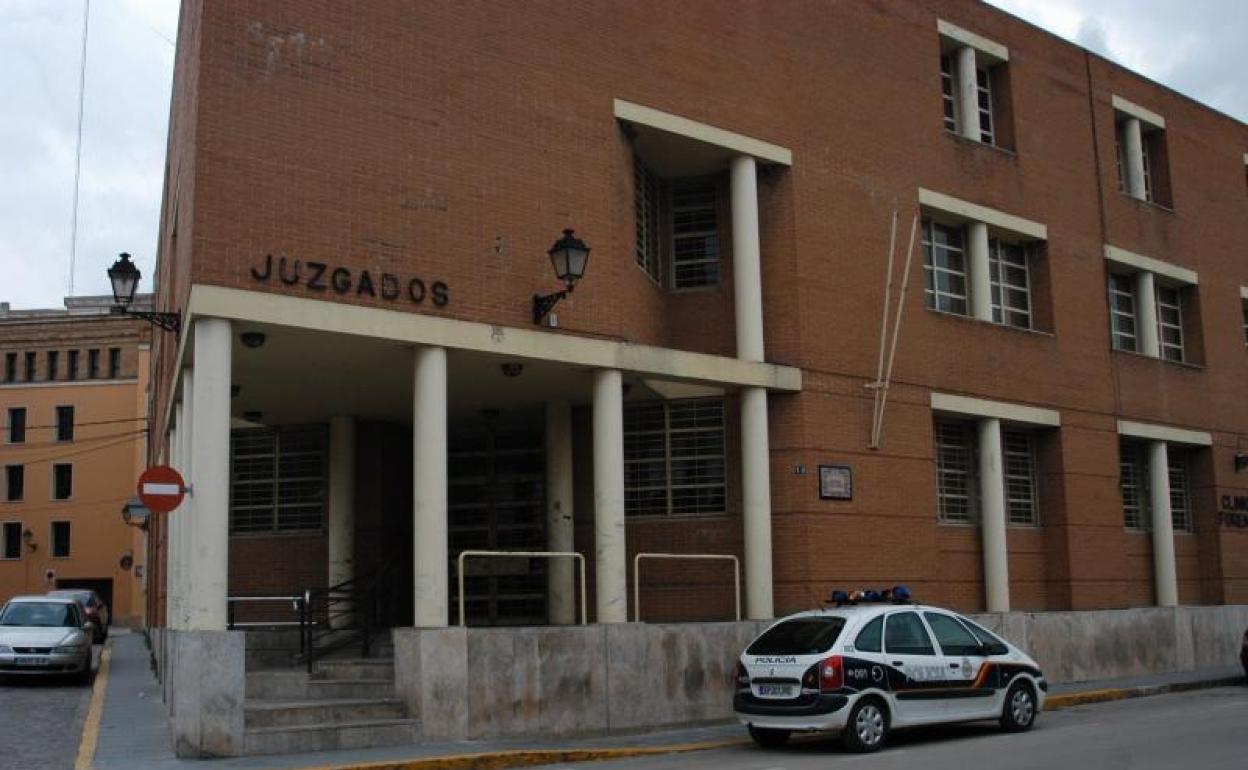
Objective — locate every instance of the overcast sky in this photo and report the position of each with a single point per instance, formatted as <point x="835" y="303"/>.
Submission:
<point x="1199" y="47"/>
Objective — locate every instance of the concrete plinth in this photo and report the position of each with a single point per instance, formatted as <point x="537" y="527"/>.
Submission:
<point x="206" y="684"/>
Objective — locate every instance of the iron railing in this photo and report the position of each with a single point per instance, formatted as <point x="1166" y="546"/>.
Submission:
<point x="351" y="612"/>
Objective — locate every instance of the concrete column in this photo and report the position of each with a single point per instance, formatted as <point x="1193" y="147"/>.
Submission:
<point x="209" y="527"/>
<point x="978" y="271"/>
<point x="429" y="492"/>
<point x="341" y="499"/>
<point x="747" y="277"/>
<point x="173" y="581"/>
<point x="1133" y="159"/>
<point x="561" y="572"/>
<point x="992" y="516"/>
<point x="967" y="94"/>
<point x="186" y="511"/>
<point x="756" y="503"/>
<point x="610" y="557"/>
<point x="1146" y="314"/>
<point x="1163" y="525"/>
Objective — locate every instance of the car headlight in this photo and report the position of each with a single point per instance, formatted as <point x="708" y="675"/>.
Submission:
<point x="5" y="649"/>
<point x="69" y="649"/>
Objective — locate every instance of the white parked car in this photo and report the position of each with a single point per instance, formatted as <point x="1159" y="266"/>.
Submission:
<point x="867" y="667"/>
<point x="45" y="635"/>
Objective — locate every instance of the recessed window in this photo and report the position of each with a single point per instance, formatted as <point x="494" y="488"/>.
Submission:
<point x="71" y="362"/>
<point x="983" y="93"/>
<point x="17" y="425"/>
<point x="277" y="479"/>
<point x="114" y="363"/>
<point x="1133" y="483"/>
<point x="60" y="539"/>
<point x="1019" y="448"/>
<point x="1180" y="488"/>
<point x="10" y="367"/>
<point x="956" y="500"/>
<point x="1011" y="283"/>
<point x="30" y="366"/>
<point x="14" y="483"/>
<point x="1122" y="312"/>
<point x="978" y="70"/>
<point x="11" y="540"/>
<point x="1141" y="153"/>
<point x="53" y="357"/>
<point x="93" y="364"/>
<point x="646" y="211"/>
<point x="944" y="267"/>
<point x="64" y="423"/>
<point x="1245" y="311"/>
<point x="677" y="229"/>
<point x="62" y="481"/>
<point x="674" y="457"/>
<point x="1170" y="322"/>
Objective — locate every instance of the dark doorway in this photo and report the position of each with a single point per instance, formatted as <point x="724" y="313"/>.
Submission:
<point x="102" y="586"/>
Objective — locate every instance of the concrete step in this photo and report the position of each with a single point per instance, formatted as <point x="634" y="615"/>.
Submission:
<point x="296" y="685"/>
<point x="257" y="659"/>
<point x="329" y="736"/>
<point x="380" y="669"/>
<point x="291" y="713"/>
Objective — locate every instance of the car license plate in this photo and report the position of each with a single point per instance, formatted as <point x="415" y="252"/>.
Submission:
<point x="31" y="660"/>
<point x="775" y="690"/>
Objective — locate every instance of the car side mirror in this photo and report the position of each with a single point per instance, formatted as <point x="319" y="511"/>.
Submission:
<point x="88" y="626"/>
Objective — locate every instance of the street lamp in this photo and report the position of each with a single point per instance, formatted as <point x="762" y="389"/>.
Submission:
<point x="569" y="256"/>
<point x="125" y="279"/>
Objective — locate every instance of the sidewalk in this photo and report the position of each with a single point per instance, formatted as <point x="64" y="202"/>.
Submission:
<point x="134" y="730"/>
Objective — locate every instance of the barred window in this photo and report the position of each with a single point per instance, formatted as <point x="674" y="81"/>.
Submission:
<point x="1170" y="323"/>
<point x="944" y="267"/>
<point x="955" y="472"/>
<point x="277" y="479"/>
<point x="1120" y="147"/>
<point x="1122" y="312"/>
<point x="674" y="457"/>
<point x="1133" y="481"/>
<point x="1180" y="492"/>
<point x="1020" y="477"/>
<point x="948" y="101"/>
<point x="1011" y="284"/>
<point x="646" y="210"/>
<point x="695" y="234"/>
<point x="983" y="89"/>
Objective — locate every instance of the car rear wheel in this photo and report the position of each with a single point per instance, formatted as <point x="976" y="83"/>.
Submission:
<point x="867" y="726"/>
<point x="769" y="738"/>
<point x="1019" y="713"/>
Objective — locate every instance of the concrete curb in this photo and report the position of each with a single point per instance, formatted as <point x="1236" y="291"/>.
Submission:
<point x="1070" y="700"/>
<point x="498" y="760"/>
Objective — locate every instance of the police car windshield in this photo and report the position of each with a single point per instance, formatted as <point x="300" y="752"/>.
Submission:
<point x="799" y="636"/>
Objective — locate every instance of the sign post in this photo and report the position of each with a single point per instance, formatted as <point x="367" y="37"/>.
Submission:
<point x="161" y="488"/>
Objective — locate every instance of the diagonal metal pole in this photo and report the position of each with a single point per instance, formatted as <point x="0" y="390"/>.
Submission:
<point x="888" y="299"/>
<point x="901" y="306"/>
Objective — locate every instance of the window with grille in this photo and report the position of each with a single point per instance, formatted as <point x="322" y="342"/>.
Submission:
<point x="277" y="479"/>
<point x="695" y="234"/>
<point x="1122" y="312"/>
<point x="1147" y="139"/>
<point x="674" y="457"/>
<point x="1133" y="481"/>
<point x="983" y="93"/>
<point x="944" y="268"/>
<point x="646" y="196"/>
<point x="1011" y="283"/>
<point x="1180" y="489"/>
<point x="1170" y="322"/>
<point x="955" y="472"/>
<point x="948" y="101"/>
<point x="1019" y="450"/>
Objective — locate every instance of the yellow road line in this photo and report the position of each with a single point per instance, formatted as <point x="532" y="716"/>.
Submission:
<point x="91" y="727"/>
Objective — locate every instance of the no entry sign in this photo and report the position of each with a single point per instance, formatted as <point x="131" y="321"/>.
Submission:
<point x="161" y="488"/>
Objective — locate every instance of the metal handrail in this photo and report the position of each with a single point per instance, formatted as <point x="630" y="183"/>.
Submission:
<point x="580" y="558"/>
<point x="357" y="599"/>
<point x="232" y="600"/>
<point x="736" y="574"/>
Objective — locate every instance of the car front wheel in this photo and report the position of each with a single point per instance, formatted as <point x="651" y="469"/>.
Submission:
<point x="769" y="738"/>
<point x="1019" y="713"/>
<point x="867" y="726"/>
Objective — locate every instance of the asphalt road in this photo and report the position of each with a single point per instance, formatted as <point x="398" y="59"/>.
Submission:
<point x="1206" y="729"/>
<point x="41" y="721"/>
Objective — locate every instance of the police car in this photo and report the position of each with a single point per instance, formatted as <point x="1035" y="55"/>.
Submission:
<point x="872" y="662"/>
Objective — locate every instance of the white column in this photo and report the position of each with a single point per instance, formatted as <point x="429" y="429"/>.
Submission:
<point x="1133" y="159"/>
<point x="756" y="503"/>
<point x="173" y="521"/>
<point x="978" y="269"/>
<point x="208" y="535"/>
<point x="341" y="532"/>
<point x="992" y="515"/>
<point x="186" y="511"/>
<point x="967" y="86"/>
<point x="1146" y="314"/>
<point x="560" y="572"/>
<point x="610" y="557"/>
<point x="431" y="596"/>
<point x="747" y="278"/>
<point x="1163" y="525"/>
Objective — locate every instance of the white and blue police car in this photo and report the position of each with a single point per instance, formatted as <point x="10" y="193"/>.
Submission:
<point x="873" y="661"/>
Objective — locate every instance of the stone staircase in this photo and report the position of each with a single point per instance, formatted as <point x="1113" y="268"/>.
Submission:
<point x="345" y="703"/>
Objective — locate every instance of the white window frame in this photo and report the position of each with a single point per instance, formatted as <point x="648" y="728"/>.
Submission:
<point x="1022" y="499"/>
<point x="983" y="100"/>
<point x="966" y="502"/>
<point x="670" y="458"/>
<point x="1118" y="338"/>
<point x="1002" y="313"/>
<point x="1179" y="463"/>
<point x="1133" y="486"/>
<point x="647" y="213"/>
<point x="933" y="295"/>
<point x="4" y="542"/>
<point x="948" y="93"/>
<point x="1170" y="351"/>
<point x="710" y="184"/>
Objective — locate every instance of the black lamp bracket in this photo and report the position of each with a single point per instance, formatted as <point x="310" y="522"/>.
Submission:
<point x="170" y="322"/>
<point x="543" y="304"/>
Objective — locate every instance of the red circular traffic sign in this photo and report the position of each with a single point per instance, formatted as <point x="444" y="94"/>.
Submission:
<point x="161" y="488"/>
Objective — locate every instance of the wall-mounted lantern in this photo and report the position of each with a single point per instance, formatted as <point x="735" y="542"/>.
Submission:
<point x="569" y="256"/>
<point x="124" y="277"/>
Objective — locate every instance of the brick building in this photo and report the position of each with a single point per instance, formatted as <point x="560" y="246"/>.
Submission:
<point x="73" y="405"/>
<point x="359" y="201"/>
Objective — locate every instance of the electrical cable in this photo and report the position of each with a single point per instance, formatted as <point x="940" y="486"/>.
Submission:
<point x="82" y="88"/>
<point x="77" y="424"/>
